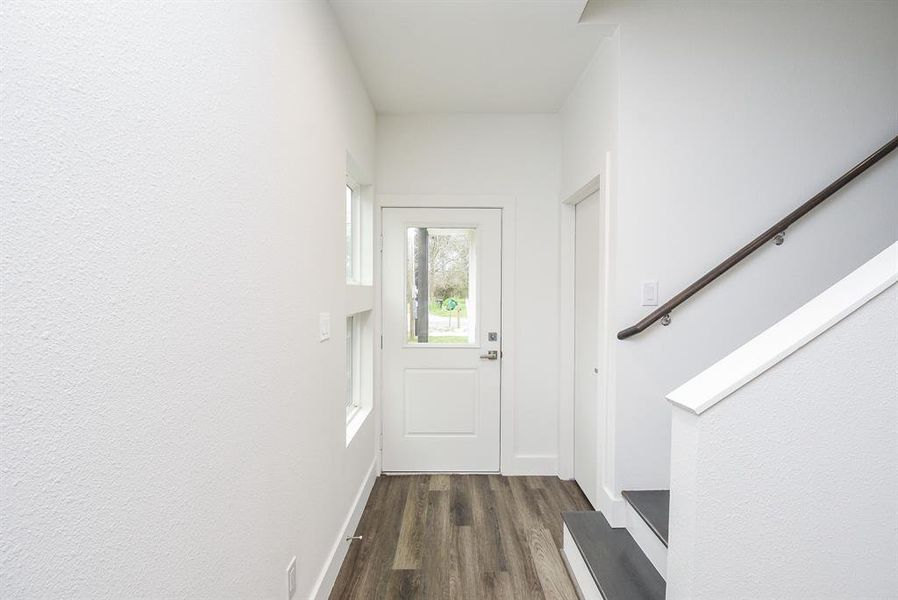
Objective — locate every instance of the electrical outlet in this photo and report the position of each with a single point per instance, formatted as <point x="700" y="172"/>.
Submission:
<point x="291" y="579"/>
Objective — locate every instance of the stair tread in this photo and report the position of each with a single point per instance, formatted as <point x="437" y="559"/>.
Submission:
<point x="615" y="561"/>
<point x="654" y="508"/>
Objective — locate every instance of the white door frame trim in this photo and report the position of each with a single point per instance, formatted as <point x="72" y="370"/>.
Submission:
<point x="611" y="503"/>
<point x="566" y="357"/>
<point x="510" y="462"/>
<point x="567" y="324"/>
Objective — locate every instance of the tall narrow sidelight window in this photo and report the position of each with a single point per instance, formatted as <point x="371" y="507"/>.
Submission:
<point x="353" y="364"/>
<point x="348" y="233"/>
<point x="353" y="233"/>
<point x="359" y="301"/>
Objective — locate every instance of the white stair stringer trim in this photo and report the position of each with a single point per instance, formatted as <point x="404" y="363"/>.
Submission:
<point x="650" y="544"/>
<point x="744" y="364"/>
<point x="587" y="588"/>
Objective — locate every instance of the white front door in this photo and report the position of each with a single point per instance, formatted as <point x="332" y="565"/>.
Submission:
<point x="587" y="377"/>
<point x="441" y="338"/>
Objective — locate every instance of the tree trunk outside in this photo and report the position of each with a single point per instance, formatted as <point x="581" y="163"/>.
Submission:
<point x="422" y="295"/>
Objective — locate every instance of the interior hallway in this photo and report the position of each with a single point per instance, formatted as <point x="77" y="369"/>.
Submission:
<point x="461" y="536"/>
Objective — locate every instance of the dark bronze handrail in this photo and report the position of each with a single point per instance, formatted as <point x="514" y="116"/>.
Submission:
<point x="664" y="310"/>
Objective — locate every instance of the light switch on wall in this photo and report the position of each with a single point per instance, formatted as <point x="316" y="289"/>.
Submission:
<point x="324" y="326"/>
<point x="650" y="293"/>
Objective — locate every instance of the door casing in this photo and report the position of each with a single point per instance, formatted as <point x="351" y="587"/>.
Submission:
<point x="610" y="501"/>
<point x="588" y="378"/>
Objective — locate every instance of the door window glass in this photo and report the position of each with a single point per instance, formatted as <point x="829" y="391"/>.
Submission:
<point x="440" y="286"/>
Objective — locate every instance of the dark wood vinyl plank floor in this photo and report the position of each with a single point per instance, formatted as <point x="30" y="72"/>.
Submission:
<point x="461" y="536"/>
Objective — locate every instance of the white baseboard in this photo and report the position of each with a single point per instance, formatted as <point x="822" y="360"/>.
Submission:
<point x="653" y="548"/>
<point x="614" y="509"/>
<point x="328" y="576"/>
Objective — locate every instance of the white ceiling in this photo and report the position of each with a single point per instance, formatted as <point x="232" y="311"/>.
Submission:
<point x="447" y="56"/>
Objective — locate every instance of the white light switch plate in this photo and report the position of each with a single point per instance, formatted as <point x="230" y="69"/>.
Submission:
<point x="650" y="293"/>
<point x="324" y="326"/>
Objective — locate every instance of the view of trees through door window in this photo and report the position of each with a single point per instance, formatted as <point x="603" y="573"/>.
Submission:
<point x="440" y="286"/>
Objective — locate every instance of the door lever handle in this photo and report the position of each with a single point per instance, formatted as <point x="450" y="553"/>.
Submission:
<point x="491" y="355"/>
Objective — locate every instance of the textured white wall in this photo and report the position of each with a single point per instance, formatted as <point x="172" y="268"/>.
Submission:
<point x="504" y="155"/>
<point x="731" y="115"/>
<point x="786" y="488"/>
<point x="172" y="224"/>
<point x="589" y="119"/>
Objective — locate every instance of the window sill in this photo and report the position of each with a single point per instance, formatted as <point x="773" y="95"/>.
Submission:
<point x="355" y="422"/>
<point x="359" y="298"/>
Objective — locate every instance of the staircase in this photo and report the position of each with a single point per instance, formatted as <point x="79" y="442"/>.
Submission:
<point x="624" y="563"/>
<point x="841" y="378"/>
